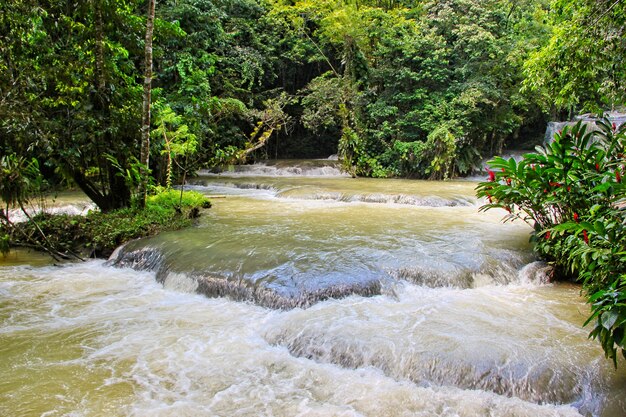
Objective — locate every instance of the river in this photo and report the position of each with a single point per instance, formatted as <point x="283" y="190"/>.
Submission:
<point x="306" y="293"/>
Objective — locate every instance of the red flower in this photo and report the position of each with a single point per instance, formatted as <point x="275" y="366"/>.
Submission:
<point x="492" y="176"/>
<point x="569" y="188"/>
<point x="554" y="184"/>
<point x="614" y="126"/>
<point x="547" y="236"/>
<point x="508" y="181"/>
<point x="576" y="217"/>
<point x="597" y="167"/>
<point x="618" y="176"/>
<point x="489" y="198"/>
<point x="502" y="169"/>
<point x="585" y="237"/>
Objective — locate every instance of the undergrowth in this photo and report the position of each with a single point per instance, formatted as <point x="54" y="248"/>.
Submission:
<point x="98" y="234"/>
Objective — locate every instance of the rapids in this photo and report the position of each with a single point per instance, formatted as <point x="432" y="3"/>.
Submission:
<point x="328" y="296"/>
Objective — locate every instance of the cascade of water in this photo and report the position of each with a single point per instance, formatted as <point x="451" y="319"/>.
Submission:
<point x="552" y="128"/>
<point x="358" y="190"/>
<point x="291" y="253"/>
<point x="350" y="307"/>
<point x="89" y="339"/>
<point x="455" y="342"/>
<point x="614" y="117"/>
<point x="264" y="292"/>
<point x="286" y="168"/>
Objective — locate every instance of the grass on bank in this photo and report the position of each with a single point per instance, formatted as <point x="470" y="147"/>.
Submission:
<point x="98" y="234"/>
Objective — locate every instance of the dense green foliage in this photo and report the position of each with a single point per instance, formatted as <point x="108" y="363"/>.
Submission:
<point x="70" y="80"/>
<point x="582" y="66"/>
<point x="373" y="81"/>
<point x="98" y="234"/>
<point x="396" y="88"/>
<point x="444" y="76"/>
<point x="571" y="191"/>
<point x="19" y="178"/>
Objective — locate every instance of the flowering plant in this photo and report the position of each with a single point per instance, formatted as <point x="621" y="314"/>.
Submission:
<point x="571" y="192"/>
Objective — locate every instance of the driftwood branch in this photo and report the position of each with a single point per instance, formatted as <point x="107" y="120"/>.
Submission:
<point x="30" y="241"/>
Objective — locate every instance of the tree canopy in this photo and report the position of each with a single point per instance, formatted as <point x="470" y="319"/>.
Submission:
<point x="582" y="67"/>
<point x="397" y="88"/>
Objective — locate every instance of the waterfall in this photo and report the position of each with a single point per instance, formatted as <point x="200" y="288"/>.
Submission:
<point x="589" y="119"/>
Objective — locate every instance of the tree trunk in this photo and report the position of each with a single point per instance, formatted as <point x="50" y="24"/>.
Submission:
<point x="90" y="189"/>
<point x="145" y="119"/>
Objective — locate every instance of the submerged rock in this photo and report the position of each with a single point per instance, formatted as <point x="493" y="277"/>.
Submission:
<point x="145" y="259"/>
<point x="269" y="293"/>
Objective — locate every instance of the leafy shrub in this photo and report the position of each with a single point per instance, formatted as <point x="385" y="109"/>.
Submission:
<point x="467" y="157"/>
<point x="432" y="159"/>
<point x="441" y="146"/>
<point x="571" y="192"/>
<point x="19" y="178"/>
<point x="170" y="199"/>
<point x="405" y="158"/>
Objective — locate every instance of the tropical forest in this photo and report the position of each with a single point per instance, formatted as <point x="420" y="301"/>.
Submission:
<point x="313" y="208"/>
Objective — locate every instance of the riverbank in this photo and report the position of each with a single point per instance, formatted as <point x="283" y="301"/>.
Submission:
<point x="97" y="234"/>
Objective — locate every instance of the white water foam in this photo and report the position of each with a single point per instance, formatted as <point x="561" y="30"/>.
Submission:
<point x="264" y="170"/>
<point x="135" y="348"/>
<point x="76" y="209"/>
<point x="180" y="282"/>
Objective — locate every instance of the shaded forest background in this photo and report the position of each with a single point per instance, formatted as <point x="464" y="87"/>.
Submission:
<point x="420" y="89"/>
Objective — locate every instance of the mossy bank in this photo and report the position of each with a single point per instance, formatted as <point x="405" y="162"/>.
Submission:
<point x="98" y="234"/>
